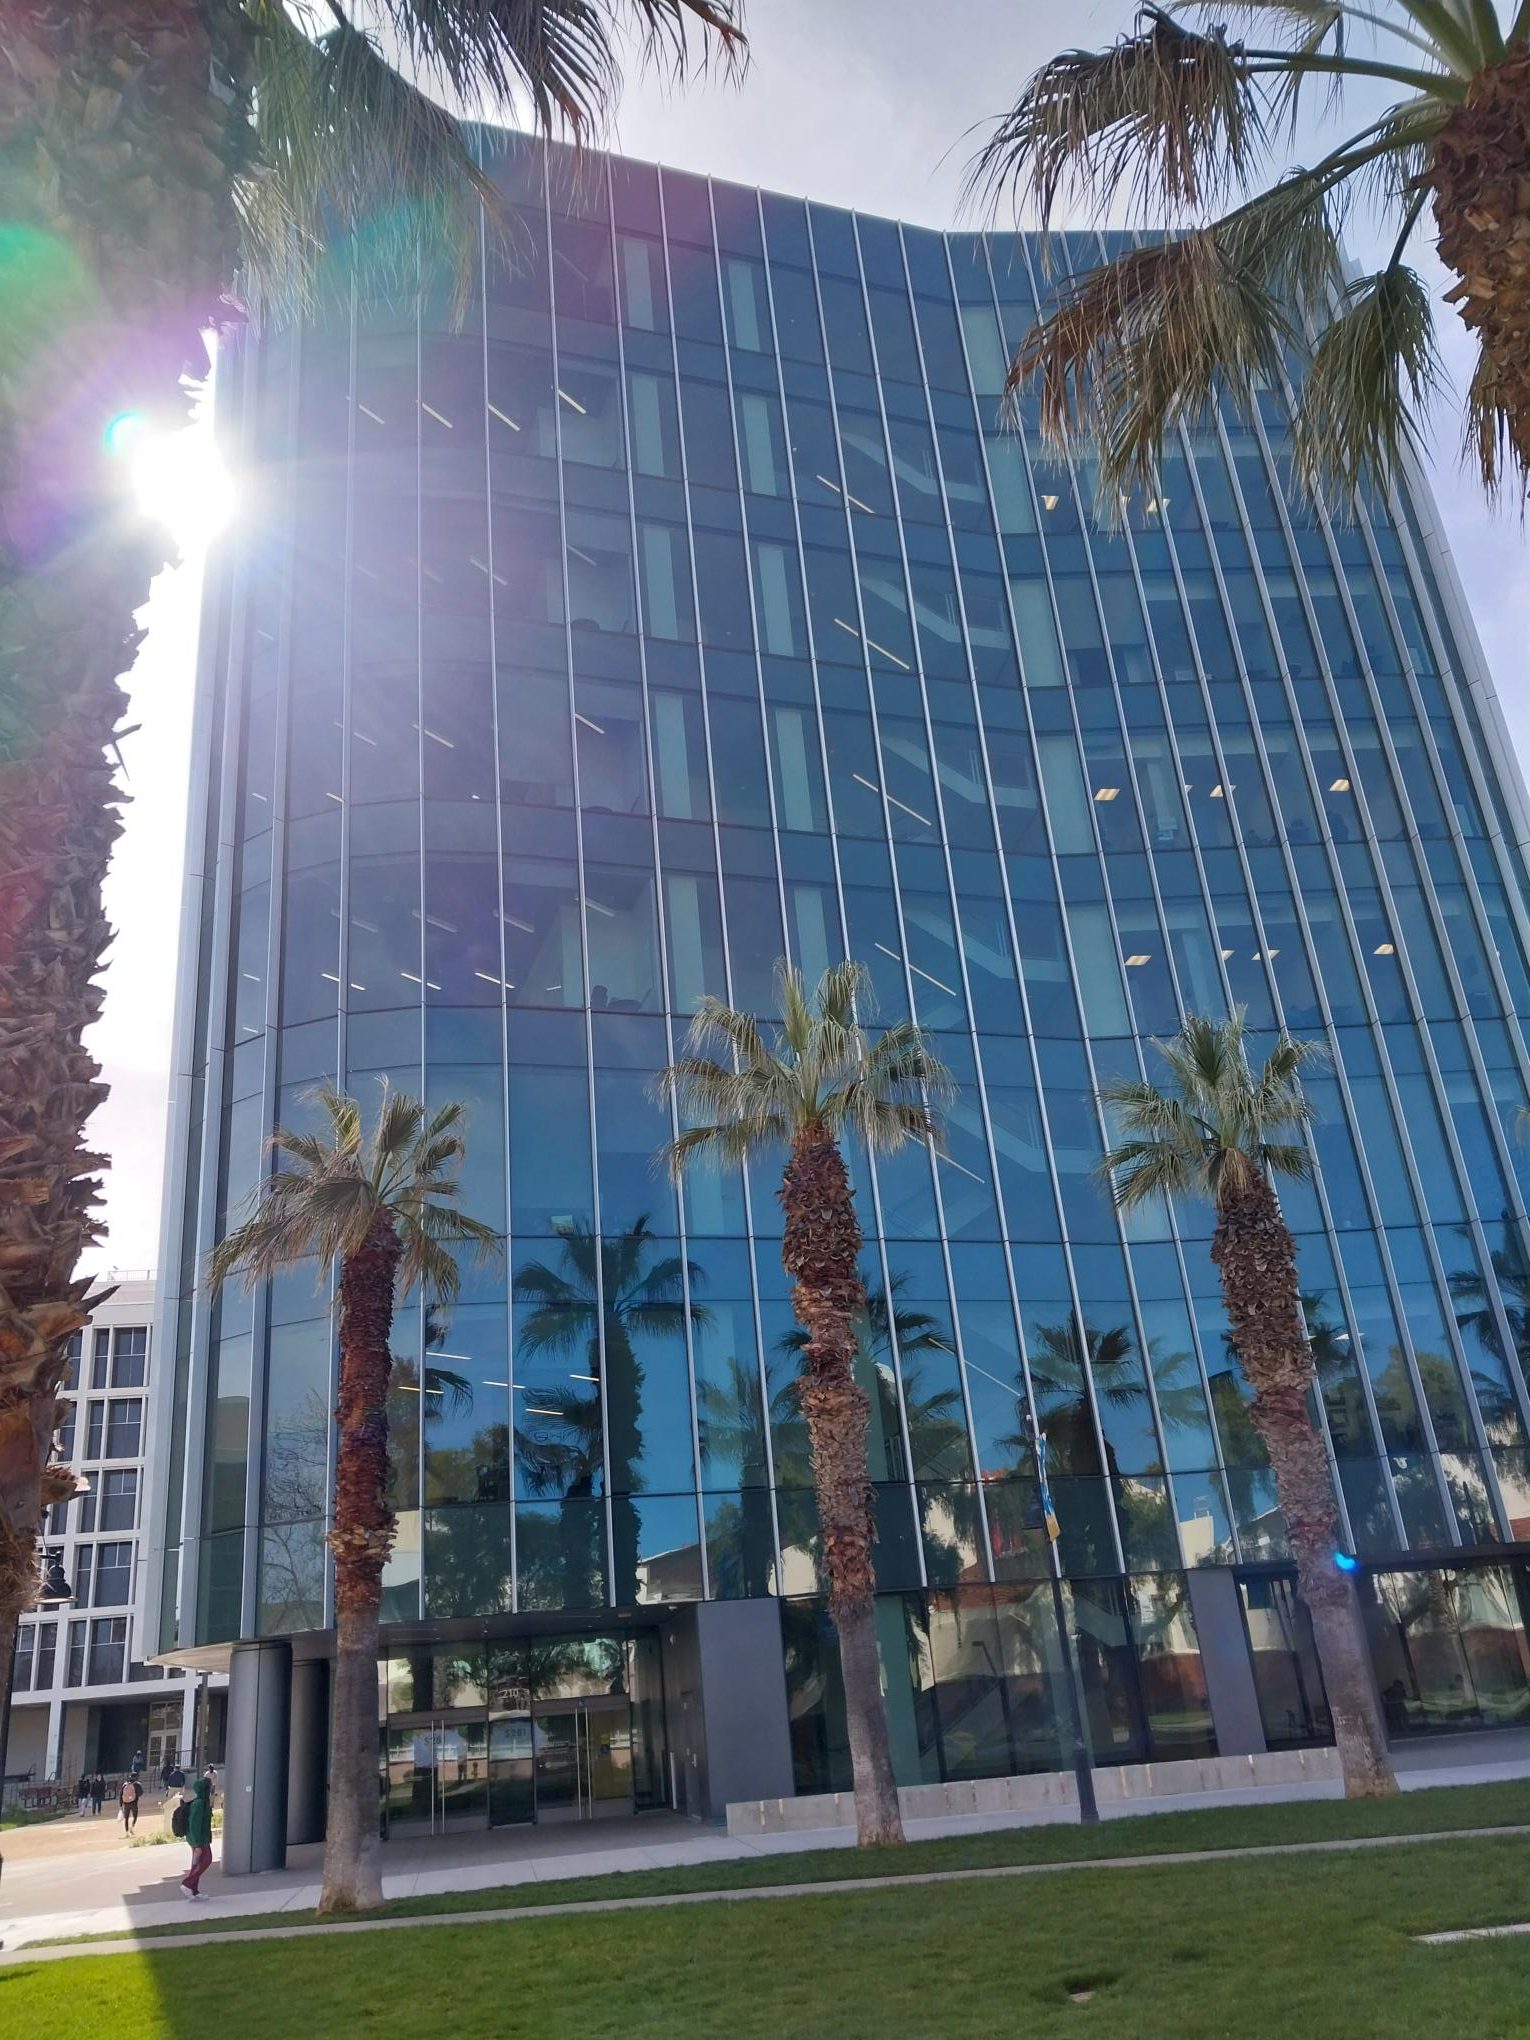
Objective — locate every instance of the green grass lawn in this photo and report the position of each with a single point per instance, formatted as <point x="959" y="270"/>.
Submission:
<point x="1226" y="1827"/>
<point x="1299" y="1946"/>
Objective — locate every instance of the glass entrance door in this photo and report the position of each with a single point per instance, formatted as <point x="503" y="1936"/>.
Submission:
<point x="512" y="1791"/>
<point x="583" y="1760"/>
<point x="438" y="1776"/>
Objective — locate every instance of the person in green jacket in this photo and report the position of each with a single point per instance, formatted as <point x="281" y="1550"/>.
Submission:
<point x="199" y="1834"/>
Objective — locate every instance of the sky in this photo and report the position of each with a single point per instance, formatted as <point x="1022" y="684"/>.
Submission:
<point x="872" y="104"/>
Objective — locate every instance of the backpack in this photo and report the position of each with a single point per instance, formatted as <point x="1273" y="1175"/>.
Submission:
<point x="130" y="1794"/>
<point x="180" y="1819"/>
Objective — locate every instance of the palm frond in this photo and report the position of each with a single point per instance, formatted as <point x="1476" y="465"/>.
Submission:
<point x="902" y="1056"/>
<point x="343" y="1114"/>
<point x="306" y="1148"/>
<point x="1287" y="1158"/>
<point x="560" y="56"/>
<point x="362" y="168"/>
<point x="717" y="1024"/>
<point x="1487" y="440"/>
<point x="1164" y="115"/>
<point x="1373" y="369"/>
<point x="396" y="1136"/>
<point x="327" y="1206"/>
<point x="1146" y="340"/>
<point x="1140" y="1170"/>
<point x="723" y="1143"/>
<point x="844" y="990"/>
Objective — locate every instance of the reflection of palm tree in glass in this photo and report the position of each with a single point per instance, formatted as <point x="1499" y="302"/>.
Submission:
<point x="1067" y="1395"/>
<point x="887" y="1325"/>
<point x="447" y="1393"/>
<point x="1475" y="1315"/>
<point x="890" y="1332"/>
<point x="604" y="1296"/>
<point x="1063" y="1387"/>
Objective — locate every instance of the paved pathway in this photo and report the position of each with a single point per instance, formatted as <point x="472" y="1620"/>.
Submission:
<point x="55" y="1883"/>
<point x="827" y="1888"/>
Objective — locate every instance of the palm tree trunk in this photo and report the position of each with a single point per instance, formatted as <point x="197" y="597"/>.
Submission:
<point x="1480" y="175"/>
<point x="361" y="1539"/>
<point x="822" y="1240"/>
<point x="1256" y="1255"/>
<point x="116" y="160"/>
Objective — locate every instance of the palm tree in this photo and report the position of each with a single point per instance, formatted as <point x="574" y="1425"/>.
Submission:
<point x="1171" y="123"/>
<point x="817" y="1078"/>
<point x="380" y="1207"/>
<point x="1221" y="1131"/>
<point x="170" y="169"/>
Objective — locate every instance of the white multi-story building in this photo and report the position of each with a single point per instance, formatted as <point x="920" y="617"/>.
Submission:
<point x="84" y="1698"/>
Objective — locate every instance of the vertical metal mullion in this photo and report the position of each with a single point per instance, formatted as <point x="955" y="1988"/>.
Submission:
<point x="584" y="930"/>
<point x="659" y="904"/>
<point x="1086" y="1376"/>
<point x="499" y="897"/>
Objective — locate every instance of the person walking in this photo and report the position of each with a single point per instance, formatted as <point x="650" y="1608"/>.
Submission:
<point x="82" y="1792"/>
<point x="128" y="1799"/>
<point x="97" y="1793"/>
<point x="199" y="1835"/>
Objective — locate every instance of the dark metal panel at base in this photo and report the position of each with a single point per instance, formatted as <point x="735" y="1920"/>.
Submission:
<point x="255" y="1778"/>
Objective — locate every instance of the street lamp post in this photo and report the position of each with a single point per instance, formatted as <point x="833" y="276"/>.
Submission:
<point x="1083" y="1770"/>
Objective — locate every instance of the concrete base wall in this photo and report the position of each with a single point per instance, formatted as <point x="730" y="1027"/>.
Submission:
<point x="27" y="1748"/>
<point x="1042" y="1791"/>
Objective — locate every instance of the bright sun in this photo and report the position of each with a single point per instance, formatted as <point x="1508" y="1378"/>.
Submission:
<point x="178" y="478"/>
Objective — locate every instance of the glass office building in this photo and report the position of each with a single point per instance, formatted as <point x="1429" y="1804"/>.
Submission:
<point x="678" y="604"/>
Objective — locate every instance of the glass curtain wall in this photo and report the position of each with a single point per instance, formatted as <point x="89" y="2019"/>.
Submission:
<point x="684" y="606"/>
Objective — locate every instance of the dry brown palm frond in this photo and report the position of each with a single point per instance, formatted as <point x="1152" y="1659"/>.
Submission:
<point x="1486" y="438"/>
<point x="1374" y="367"/>
<point x="1166" y="115"/>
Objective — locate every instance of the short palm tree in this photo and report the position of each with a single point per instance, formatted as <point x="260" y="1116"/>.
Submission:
<point x="379" y="1208"/>
<point x="1185" y="128"/>
<point x="169" y="169"/>
<point x="1220" y="1130"/>
<point x="813" y="1080"/>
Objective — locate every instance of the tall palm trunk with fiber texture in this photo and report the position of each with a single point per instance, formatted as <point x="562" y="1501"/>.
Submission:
<point x="1254" y="1250"/>
<point x="117" y="235"/>
<point x="1479" y="173"/>
<point x="819" y="1251"/>
<point x="361" y="1539"/>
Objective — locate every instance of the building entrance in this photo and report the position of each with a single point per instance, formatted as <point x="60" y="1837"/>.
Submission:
<point x="583" y="1760"/>
<point x="555" y="1730"/>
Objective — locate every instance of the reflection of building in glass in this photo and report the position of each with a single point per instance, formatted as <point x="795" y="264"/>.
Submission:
<point x="683" y="606"/>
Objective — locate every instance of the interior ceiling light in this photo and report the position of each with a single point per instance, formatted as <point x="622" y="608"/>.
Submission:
<point x="1339" y="786"/>
<point x="1106" y="792"/>
<point x="1385" y="949"/>
<point x="1133" y="961"/>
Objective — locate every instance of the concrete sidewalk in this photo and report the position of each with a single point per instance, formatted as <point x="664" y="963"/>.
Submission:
<point x="112" y="1891"/>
